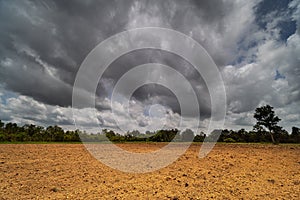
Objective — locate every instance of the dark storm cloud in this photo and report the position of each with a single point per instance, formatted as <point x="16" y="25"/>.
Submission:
<point x="33" y="80"/>
<point x="213" y="11"/>
<point x="43" y="43"/>
<point x="155" y="93"/>
<point x="57" y="35"/>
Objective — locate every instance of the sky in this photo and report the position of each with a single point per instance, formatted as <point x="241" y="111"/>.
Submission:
<point x="255" y="45"/>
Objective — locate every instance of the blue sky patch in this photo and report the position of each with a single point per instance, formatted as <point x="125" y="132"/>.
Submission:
<point x="278" y="75"/>
<point x="280" y="8"/>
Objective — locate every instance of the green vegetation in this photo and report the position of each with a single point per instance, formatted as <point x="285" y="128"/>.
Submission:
<point x="11" y="132"/>
<point x="266" y="117"/>
<point x="229" y="140"/>
<point x="265" y="130"/>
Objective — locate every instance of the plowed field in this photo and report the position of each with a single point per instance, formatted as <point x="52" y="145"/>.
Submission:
<point x="230" y="171"/>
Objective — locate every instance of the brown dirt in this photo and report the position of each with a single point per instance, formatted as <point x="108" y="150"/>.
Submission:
<point x="230" y="171"/>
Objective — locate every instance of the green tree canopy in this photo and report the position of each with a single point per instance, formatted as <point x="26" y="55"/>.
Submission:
<point x="266" y="118"/>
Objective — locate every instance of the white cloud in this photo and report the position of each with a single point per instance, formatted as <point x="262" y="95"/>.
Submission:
<point x="39" y="50"/>
<point x="254" y="84"/>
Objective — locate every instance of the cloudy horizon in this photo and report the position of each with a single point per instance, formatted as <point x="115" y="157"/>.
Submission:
<point x="255" y="45"/>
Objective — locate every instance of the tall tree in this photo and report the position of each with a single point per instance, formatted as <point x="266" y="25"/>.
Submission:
<point x="266" y="118"/>
<point x="1" y="124"/>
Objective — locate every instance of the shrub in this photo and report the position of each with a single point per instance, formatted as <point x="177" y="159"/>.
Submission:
<point x="229" y="140"/>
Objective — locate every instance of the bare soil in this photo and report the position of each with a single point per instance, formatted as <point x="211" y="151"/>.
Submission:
<point x="230" y="171"/>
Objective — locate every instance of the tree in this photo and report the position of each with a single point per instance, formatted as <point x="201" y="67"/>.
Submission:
<point x="55" y="133"/>
<point x="295" y="136"/>
<point x="187" y="135"/>
<point x="134" y="133"/>
<point x="29" y="130"/>
<point x="1" y="124"/>
<point x="111" y="135"/>
<point x="214" y="136"/>
<point x="164" y="135"/>
<point x="200" y="137"/>
<point x="266" y="117"/>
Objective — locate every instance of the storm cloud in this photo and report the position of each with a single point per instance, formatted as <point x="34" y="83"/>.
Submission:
<point x="43" y="43"/>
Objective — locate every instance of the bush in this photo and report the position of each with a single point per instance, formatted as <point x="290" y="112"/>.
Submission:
<point x="229" y="140"/>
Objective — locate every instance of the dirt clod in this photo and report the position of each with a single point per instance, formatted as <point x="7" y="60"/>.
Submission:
<point x="55" y="189"/>
<point x="271" y="181"/>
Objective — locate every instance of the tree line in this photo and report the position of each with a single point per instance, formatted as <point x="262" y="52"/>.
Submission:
<point x="265" y="130"/>
<point x="11" y="132"/>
